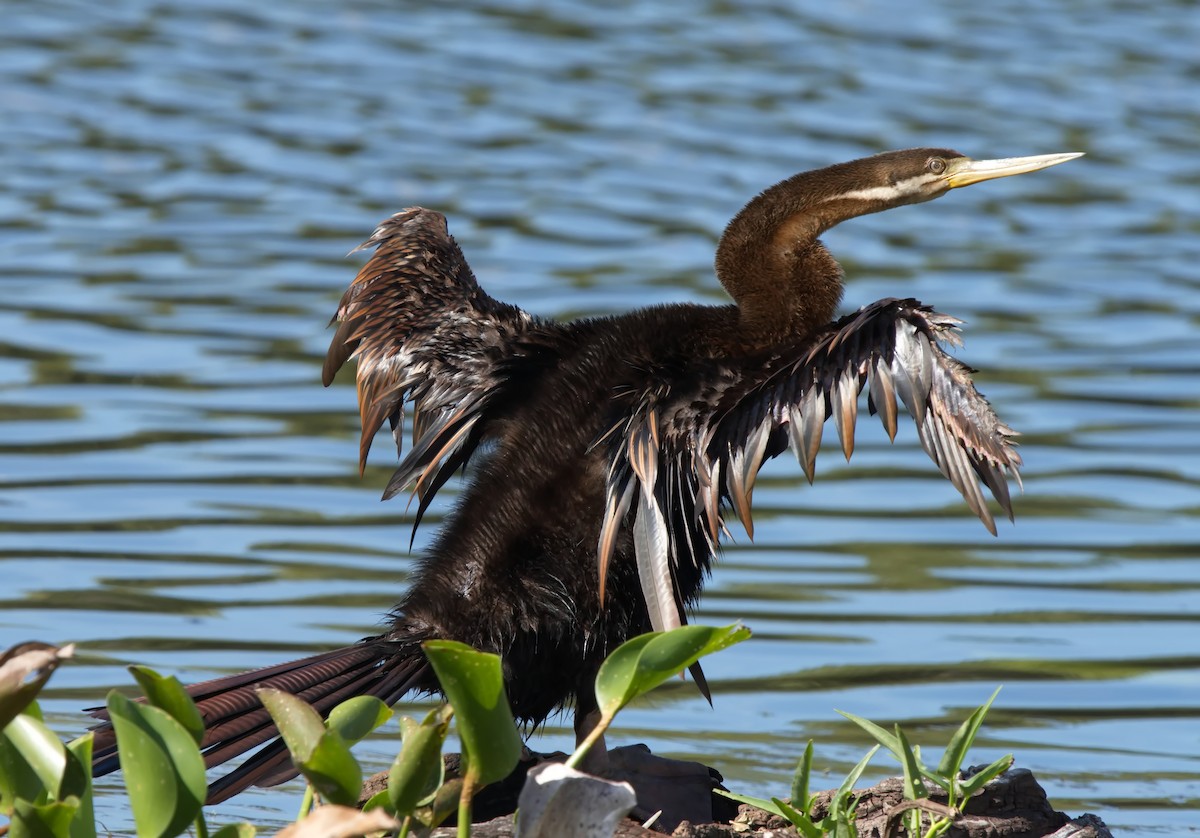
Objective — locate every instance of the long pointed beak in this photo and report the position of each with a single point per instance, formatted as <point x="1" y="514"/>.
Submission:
<point x="964" y="171"/>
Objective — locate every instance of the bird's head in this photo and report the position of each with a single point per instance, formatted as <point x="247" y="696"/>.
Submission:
<point x="896" y="178"/>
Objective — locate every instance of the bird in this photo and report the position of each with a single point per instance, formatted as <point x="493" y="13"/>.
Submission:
<point x="603" y="455"/>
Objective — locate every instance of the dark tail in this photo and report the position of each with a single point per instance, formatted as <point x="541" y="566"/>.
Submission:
<point x="235" y="720"/>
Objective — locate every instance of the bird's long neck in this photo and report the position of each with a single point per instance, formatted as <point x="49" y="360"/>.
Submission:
<point x="784" y="281"/>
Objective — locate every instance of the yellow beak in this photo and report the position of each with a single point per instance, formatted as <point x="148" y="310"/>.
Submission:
<point x="964" y="171"/>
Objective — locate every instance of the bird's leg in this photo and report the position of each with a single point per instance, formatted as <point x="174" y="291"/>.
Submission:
<point x="595" y="761"/>
<point x="680" y="789"/>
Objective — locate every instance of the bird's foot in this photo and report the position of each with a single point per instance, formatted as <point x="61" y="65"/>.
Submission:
<point x="680" y="789"/>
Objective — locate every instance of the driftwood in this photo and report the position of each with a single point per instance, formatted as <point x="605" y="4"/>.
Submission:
<point x="1013" y="805"/>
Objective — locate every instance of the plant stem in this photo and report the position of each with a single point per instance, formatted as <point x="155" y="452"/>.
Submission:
<point x="306" y="802"/>
<point x="464" y="803"/>
<point x="201" y="826"/>
<point x="586" y="745"/>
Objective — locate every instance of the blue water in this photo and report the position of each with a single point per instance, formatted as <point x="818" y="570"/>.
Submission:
<point x="179" y="183"/>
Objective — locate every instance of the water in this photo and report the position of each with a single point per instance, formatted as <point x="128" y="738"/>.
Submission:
<point x="181" y="182"/>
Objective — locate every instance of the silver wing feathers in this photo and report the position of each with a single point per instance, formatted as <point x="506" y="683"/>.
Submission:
<point x="718" y="427"/>
<point x="423" y="331"/>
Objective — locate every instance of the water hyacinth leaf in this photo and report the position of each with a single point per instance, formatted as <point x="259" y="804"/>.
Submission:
<point x="379" y="800"/>
<point x="166" y="693"/>
<point x="615" y="678"/>
<point x="641" y="664"/>
<point x="235" y="830"/>
<point x="18" y="781"/>
<point x="474" y="685"/>
<point x="355" y="718"/>
<point x="445" y="800"/>
<point x="418" y="770"/>
<point x="963" y="738"/>
<point x="39" y="762"/>
<point x="299" y="724"/>
<point x="84" y="825"/>
<point x="333" y="771"/>
<point x="45" y="820"/>
<point x="977" y="781"/>
<point x="320" y="753"/>
<point x="24" y="670"/>
<point x="42" y="752"/>
<point x="164" y="772"/>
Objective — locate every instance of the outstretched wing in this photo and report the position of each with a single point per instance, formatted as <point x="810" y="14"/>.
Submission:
<point x="697" y="443"/>
<point x="423" y="331"/>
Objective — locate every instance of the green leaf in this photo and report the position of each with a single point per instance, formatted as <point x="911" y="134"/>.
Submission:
<point x="757" y="802"/>
<point x="319" y="753"/>
<point x="41" y="750"/>
<point x="166" y="693"/>
<point x="977" y="781"/>
<point x="641" y="664"/>
<point x="800" y="779"/>
<point x="24" y="670"/>
<point x="41" y="765"/>
<point x="333" y="770"/>
<point x="914" y="788"/>
<point x="418" y="770"/>
<point x="963" y="738"/>
<point x="235" y="830"/>
<point x="445" y="801"/>
<point x="84" y="824"/>
<point x="883" y="737"/>
<point x="18" y="780"/>
<point x="845" y="826"/>
<point x="379" y="800"/>
<point x="800" y="820"/>
<point x="164" y="772"/>
<point x="47" y="820"/>
<point x="355" y="718"/>
<point x="776" y="807"/>
<point x="299" y="724"/>
<point x="837" y="806"/>
<point x="474" y="685"/>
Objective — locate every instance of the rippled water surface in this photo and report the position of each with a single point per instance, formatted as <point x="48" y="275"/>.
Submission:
<point x="179" y="183"/>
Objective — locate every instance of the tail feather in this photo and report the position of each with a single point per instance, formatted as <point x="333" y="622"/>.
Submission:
<point x="391" y="687"/>
<point x="235" y="720"/>
<point x="271" y="763"/>
<point x="241" y="712"/>
<point x="236" y="736"/>
<point x="221" y="699"/>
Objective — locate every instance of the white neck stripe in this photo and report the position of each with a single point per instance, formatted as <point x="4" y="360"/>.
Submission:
<point x="889" y="193"/>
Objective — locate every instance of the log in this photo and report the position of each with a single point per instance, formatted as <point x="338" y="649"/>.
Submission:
<point x="1014" y="805"/>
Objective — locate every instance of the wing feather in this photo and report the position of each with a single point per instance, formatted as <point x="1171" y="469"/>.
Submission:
<point x="651" y="539"/>
<point x="424" y="333"/>
<point x="722" y="418"/>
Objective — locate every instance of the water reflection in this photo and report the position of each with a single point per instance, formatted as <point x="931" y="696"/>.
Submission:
<point x="182" y="181"/>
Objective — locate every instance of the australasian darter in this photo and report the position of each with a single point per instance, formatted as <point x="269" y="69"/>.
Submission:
<point x="614" y="444"/>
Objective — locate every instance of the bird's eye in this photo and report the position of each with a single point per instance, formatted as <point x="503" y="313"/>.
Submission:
<point x="936" y="165"/>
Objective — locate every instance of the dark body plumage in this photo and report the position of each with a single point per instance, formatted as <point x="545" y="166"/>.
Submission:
<point x="605" y="450"/>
